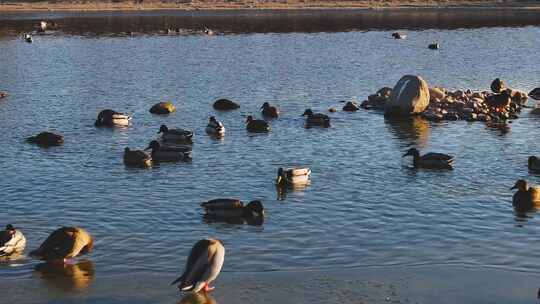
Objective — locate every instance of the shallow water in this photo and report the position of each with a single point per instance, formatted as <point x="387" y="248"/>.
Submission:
<point x="365" y="205"/>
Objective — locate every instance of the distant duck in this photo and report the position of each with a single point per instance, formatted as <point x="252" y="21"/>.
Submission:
<point x="208" y="31"/>
<point x="433" y="46"/>
<point x="351" y="107"/>
<point x="42" y="26"/>
<point x="162" y="108"/>
<point x="526" y="197"/>
<point x="110" y="118"/>
<point x="3" y="94"/>
<point x="535" y="94"/>
<point x="269" y="111"/>
<point x="256" y="125"/>
<point x="225" y="209"/>
<point x="12" y="241"/>
<point x="534" y="164"/>
<point x="497" y="86"/>
<point x="137" y="158"/>
<point x="499" y="101"/>
<point x="202" y="267"/>
<point x="46" y="139"/>
<point x="430" y="160"/>
<point x="65" y="243"/>
<point x="316" y="119"/>
<point x="225" y="105"/>
<point x="293" y="177"/>
<point x="28" y="38"/>
<point x="215" y="127"/>
<point x="166" y="153"/>
<point x="170" y="31"/>
<point x="175" y="135"/>
<point x="398" y="35"/>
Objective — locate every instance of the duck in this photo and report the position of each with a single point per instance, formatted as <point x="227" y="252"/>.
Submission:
<point x="3" y="94"/>
<point x="225" y="105"/>
<point x="497" y="86"/>
<point x="42" y="26"/>
<point x="525" y="197"/>
<point x="65" y="243"/>
<point x="430" y="160"/>
<point x="269" y="111"/>
<point x="499" y="101"/>
<point x="215" y="127"/>
<point x="233" y="211"/>
<point x="175" y="135"/>
<point x="46" y="139"/>
<point x="163" y="108"/>
<point x="316" y="119"/>
<point x="433" y="46"/>
<point x="535" y="94"/>
<point x="110" y="118"/>
<point x="12" y="241"/>
<point x="398" y="35"/>
<point x="208" y="31"/>
<point x="28" y="38"/>
<point x="167" y="153"/>
<point x="534" y="164"/>
<point x="351" y="107"/>
<point x="202" y="267"/>
<point x="256" y="125"/>
<point x="137" y="158"/>
<point x="293" y="176"/>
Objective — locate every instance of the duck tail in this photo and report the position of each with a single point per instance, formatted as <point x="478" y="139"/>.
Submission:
<point x="181" y="278"/>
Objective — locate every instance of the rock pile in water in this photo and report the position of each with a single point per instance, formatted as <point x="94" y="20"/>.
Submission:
<point x="499" y="105"/>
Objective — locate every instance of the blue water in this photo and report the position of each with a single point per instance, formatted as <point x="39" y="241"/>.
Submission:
<point x="365" y="205"/>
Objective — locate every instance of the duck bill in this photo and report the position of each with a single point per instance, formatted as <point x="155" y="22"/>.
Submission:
<point x="514" y="187"/>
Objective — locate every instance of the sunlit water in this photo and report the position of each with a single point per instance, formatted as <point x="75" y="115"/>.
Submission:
<point x="365" y="205"/>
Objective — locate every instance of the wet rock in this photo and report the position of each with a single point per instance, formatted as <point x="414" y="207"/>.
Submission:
<point x="163" y="108"/>
<point x="351" y="106"/>
<point x="409" y="96"/>
<point x="436" y="94"/>
<point x="518" y="97"/>
<point x="225" y="105"/>
<point x="497" y="86"/>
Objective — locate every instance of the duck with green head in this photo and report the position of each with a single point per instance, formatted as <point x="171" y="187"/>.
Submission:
<point x="430" y="160"/>
<point x="175" y="135"/>
<point x="256" y="125"/>
<point x="526" y="197"/>
<point x="233" y="211"/>
<point x="12" y="241"/>
<point x="534" y="164"/>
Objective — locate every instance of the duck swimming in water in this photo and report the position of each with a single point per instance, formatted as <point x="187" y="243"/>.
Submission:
<point x="46" y="139"/>
<point x="168" y="153"/>
<point x="430" y="160"/>
<point x="110" y="118"/>
<point x="316" y="119"/>
<point x="534" y="164"/>
<point x="12" y="241"/>
<point x="234" y="211"/>
<point x="28" y="38"/>
<point x="397" y="35"/>
<point x="175" y="135"/>
<point x="526" y="197"/>
<point x="137" y="158"/>
<point x="256" y="125"/>
<point x="215" y="127"/>
<point x="202" y="267"/>
<point x="65" y="243"/>
<point x="535" y="94"/>
<point x="293" y="177"/>
<point x="269" y="111"/>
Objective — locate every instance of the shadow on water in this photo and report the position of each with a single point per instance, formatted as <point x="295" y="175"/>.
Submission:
<point x="69" y="278"/>
<point x="197" y="298"/>
<point x="410" y="131"/>
<point x="267" y="21"/>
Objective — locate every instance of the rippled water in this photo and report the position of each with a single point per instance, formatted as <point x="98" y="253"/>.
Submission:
<point x="365" y="205"/>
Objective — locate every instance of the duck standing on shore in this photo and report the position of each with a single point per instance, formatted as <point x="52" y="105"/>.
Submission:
<point x="269" y="111"/>
<point x="256" y="125"/>
<point x="202" y="267"/>
<point x="526" y="197"/>
<point x="316" y="119"/>
<point x="175" y="135"/>
<point x="65" y="243"/>
<point x="11" y="241"/>
<point x="430" y="160"/>
<point x="215" y="127"/>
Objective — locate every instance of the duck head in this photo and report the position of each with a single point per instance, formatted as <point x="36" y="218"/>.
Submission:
<point x="265" y="105"/>
<point x="153" y="145"/>
<point x="249" y="119"/>
<point x="89" y="247"/>
<point x="307" y="112"/>
<point x="412" y="151"/>
<point x="521" y="185"/>
<point x="213" y="119"/>
<point x="10" y="229"/>
<point x="163" y="129"/>
<point x="256" y="208"/>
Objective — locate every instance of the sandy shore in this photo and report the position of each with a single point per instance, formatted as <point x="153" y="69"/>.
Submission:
<point x="422" y="284"/>
<point x="149" y="5"/>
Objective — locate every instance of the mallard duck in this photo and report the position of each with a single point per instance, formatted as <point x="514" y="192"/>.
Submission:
<point x="351" y="107"/>
<point x="430" y="160"/>
<point x="526" y="197"/>
<point x="316" y="119"/>
<point x="256" y="125"/>
<point x="28" y="38"/>
<point x="433" y="46"/>
<point x="293" y="177"/>
<point x="11" y="241"/>
<point x="110" y="118"/>
<point x="175" y="135"/>
<point x="163" y="108"/>
<point x="65" y="243"/>
<point x="398" y="35"/>
<point x="42" y="26"/>
<point x="168" y="153"/>
<point x="234" y="211"/>
<point x="46" y="139"/>
<point x="202" y="267"/>
<point x="269" y="111"/>
<point x="225" y="105"/>
<point x="535" y="94"/>
<point x="497" y="86"/>
<point x="215" y="127"/>
<point x="137" y="158"/>
<point x="534" y="164"/>
<point x="208" y="31"/>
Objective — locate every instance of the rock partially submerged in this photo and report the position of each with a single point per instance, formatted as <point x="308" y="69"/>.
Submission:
<point x="163" y="108"/>
<point x="409" y="96"/>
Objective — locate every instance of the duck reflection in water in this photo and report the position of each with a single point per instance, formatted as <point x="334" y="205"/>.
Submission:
<point x="412" y="131"/>
<point x="198" y="298"/>
<point x="67" y="277"/>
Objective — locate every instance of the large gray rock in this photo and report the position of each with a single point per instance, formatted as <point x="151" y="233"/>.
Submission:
<point x="409" y="96"/>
